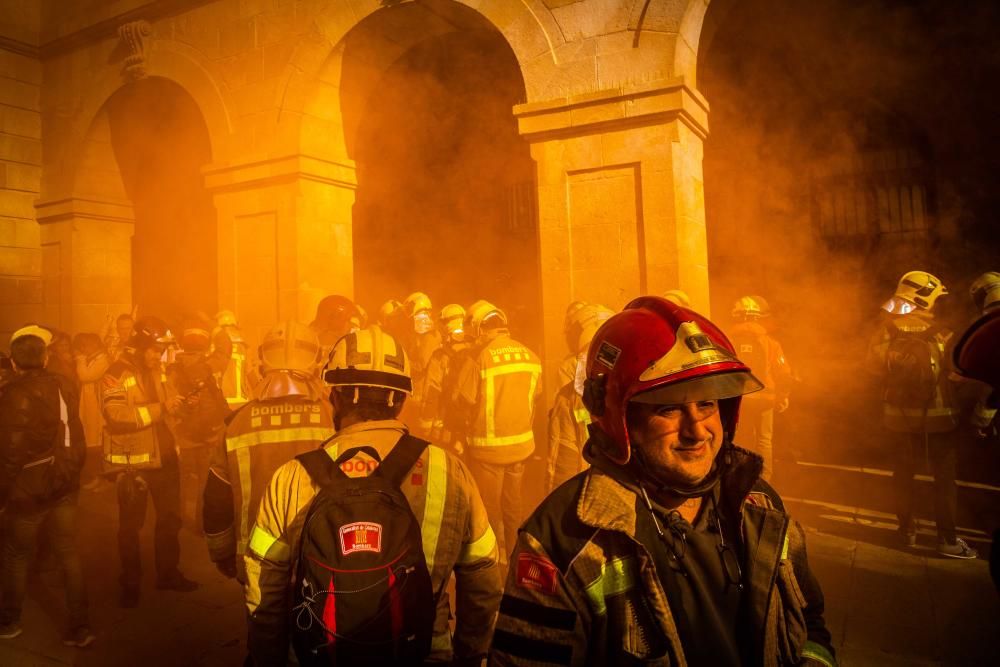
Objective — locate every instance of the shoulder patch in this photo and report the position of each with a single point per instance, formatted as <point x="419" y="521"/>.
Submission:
<point x="537" y="573"/>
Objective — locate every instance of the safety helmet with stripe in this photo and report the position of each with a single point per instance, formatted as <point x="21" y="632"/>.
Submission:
<point x="416" y="303"/>
<point x="920" y="288"/>
<point x="478" y="314"/>
<point x="452" y="318"/>
<point x="750" y="307"/>
<point x="225" y="318"/>
<point x="370" y="358"/>
<point x="657" y="352"/>
<point x="985" y="290"/>
<point x="290" y="346"/>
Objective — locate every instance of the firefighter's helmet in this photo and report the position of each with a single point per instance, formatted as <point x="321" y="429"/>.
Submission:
<point x="750" y="307"/>
<point x="588" y="320"/>
<point x="149" y="331"/>
<point x="657" y="352"/>
<point x="290" y="346"/>
<point x="452" y="319"/>
<point x="369" y="358"/>
<point x="33" y="330"/>
<point x="920" y="288"/>
<point x="985" y="290"/>
<point x="334" y="312"/>
<point x="388" y="312"/>
<point x="478" y="314"/>
<point x="226" y="318"/>
<point x="417" y="303"/>
<point x="678" y="296"/>
<point x="975" y="354"/>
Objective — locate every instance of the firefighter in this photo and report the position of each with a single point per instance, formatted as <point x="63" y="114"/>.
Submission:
<point x="493" y="403"/>
<point x="669" y="549"/>
<point x="907" y="353"/>
<point x="390" y="316"/>
<point x="423" y="337"/>
<point x="369" y="373"/>
<point x="141" y="456"/>
<point x="568" y="418"/>
<point x="116" y="341"/>
<point x="288" y="415"/>
<point x="985" y="292"/>
<point x="235" y="379"/>
<point x="335" y="316"/>
<point x="441" y="374"/>
<point x="766" y="358"/>
<point x="567" y="367"/>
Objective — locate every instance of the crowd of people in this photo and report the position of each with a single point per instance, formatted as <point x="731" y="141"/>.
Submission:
<point x="348" y="473"/>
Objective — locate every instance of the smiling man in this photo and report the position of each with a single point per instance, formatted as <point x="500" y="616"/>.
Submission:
<point x="670" y="549"/>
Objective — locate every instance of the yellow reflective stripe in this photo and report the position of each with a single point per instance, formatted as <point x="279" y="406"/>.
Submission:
<point x="441" y="642"/>
<point x="125" y="459"/>
<point x="489" y="391"/>
<point x="582" y="415"/>
<point x="479" y="549"/>
<point x="239" y="376"/>
<point x="616" y="577"/>
<point x="277" y="435"/>
<point x="501" y="441"/>
<point x="489" y="395"/>
<point x="508" y="369"/>
<point x="243" y="462"/>
<point x="818" y="653"/>
<point x="784" y="548"/>
<point x="129" y="382"/>
<point x="437" y="490"/>
<point x="265" y="545"/>
<point x="145" y="419"/>
<point x="233" y="400"/>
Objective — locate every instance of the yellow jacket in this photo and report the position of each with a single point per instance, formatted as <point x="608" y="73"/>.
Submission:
<point x="568" y="421"/>
<point x="135" y="430"/>
<point x="499" y="387"/>
<point x="456" y="538"/>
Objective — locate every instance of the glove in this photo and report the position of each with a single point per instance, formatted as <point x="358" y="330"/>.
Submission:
<point x="227" y="567"/>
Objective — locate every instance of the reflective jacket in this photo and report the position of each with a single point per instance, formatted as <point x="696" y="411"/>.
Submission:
<point x="260" y="437"/>
<point x="583" y="590"/>
<point x="456" y="538"/>
<point x="941" y="413"/>
<point x="135" y="428"/>
<point x="234" y="379"/>
<point x="498" y="388"/>
<point x="776" y="375"/>
<point x="568" y="421"/>
<point x="436" y="386"/>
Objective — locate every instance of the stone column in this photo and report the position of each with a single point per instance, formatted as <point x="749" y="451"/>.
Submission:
<point x="86" y="262"/>
<point x="621" y="198"/>
<point x="284" y="236"/>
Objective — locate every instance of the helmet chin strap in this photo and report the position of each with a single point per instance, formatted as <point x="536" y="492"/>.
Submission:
<point x="698" y="490"/>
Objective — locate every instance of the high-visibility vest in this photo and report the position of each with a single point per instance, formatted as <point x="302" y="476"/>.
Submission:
<point x="568" y="433"/>
<point x="508" y="382"/>
<point x="235" y="380"/>
<point x="132" y="404"/>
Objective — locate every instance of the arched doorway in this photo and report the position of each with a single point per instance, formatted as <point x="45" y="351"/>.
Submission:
<point x="445" y="200"/>
<point x="159" y="143"/>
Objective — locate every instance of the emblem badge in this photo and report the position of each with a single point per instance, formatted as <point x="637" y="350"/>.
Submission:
<point x="360" y="536"/>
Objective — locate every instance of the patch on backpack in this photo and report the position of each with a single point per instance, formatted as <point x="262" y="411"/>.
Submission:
<point x="537" y="573"/>
<point x="360" y="536"/>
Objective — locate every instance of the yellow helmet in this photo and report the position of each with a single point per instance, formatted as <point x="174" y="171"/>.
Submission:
<point x="478" y="313"/>
<point x="388" y="311"/>
<point x="749" y="307"/>
<point x="290" y="346"/>
<point x="678" y="296"/>
<point x="417" y="302"/>
<point x="590" y="318"/>
<point x="452" y="318"/>
<point x="985" y="290"/>
<point x="920" y="288"/>
<point x="225" y="318"/>
<point x="369" y="358"/>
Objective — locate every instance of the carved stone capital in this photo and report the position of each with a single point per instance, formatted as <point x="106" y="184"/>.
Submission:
<point x="135" y="37"/>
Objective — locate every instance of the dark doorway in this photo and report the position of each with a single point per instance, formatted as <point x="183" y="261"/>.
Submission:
<point x="160" y="142"/>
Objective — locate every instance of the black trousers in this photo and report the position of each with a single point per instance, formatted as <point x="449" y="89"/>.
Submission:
<point x="164" y="485"/>
<point x="941" y="449"/>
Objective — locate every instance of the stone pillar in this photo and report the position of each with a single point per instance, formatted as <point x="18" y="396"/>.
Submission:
<point x="86" y="262"/>
<point x="621" y="198"/>
<point x="284" y="237"/>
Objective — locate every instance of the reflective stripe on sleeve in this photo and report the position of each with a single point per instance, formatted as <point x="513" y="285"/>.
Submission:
<point x="582" y="415"/>
<point x="277" y="435"/>
<point x="784" y="548"/>
<point x="265" y="545"/>
<point x="817" y="652"/>
<point x="437" y="490"/>
<point x="479" y="549"/>
<point x="129" y="382"/>
<point x="441" y="642"/>
<point x="125" y="459"/>
<point x="243" y="463"/>
<point x="495" y="441"/>
<point x="617" y="576"/>
<point x="145" y="418"/>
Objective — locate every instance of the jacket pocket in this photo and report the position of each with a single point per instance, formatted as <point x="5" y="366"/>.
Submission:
<point x="792" y="629"/>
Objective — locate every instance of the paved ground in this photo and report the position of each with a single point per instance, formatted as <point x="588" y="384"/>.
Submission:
<point x="885" y="605"/>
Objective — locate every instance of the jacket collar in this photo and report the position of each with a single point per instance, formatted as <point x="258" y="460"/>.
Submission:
<point x="608" y="498"/>
<point x="376" y="425"/>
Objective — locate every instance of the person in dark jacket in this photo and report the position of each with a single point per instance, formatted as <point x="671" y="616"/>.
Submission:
<point x="42" y="449"/>
<point x="670" y="549"/>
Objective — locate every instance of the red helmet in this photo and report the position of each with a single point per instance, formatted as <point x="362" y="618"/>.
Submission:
<point x="975" y="354"/>
<point x="334" y="312"/>
<point x="656" y="351"/>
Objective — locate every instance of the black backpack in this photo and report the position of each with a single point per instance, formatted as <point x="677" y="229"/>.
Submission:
<point x="751" y="349"/>
<point x="363" y="594"/>
<point x="913" y="368"/>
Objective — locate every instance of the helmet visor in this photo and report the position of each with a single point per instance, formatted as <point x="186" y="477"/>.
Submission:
<point x="715" y="387"/>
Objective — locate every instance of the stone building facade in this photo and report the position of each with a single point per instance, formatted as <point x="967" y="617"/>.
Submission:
<point x="611" y="114"/>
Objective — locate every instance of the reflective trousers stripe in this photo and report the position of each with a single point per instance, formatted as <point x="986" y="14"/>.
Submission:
<point x="278" y="435"/>
<point x="437" y="491"/>
<point x="479" y="549"/>
<point x="125" y="459"/>
<point x="617" y="577"/>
